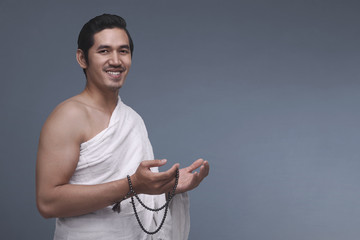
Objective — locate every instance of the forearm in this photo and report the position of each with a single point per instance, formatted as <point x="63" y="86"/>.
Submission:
<point x="72" y="200"/>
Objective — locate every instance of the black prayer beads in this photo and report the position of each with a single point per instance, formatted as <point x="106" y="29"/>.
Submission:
<point x="166" y="205"/>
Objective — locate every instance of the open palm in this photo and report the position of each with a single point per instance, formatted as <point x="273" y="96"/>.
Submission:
<point x="188" y="179"/>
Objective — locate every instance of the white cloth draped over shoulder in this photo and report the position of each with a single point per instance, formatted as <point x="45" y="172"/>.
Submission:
<point x="113" y="154"/>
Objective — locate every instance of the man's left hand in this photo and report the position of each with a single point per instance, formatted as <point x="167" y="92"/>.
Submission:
<point x="188" y="179"/>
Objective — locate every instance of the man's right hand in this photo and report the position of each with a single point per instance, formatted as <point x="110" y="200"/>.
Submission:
<point x="147" y="182"/>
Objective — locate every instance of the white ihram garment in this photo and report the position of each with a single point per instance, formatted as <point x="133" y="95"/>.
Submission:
<point x="113" y="154"/>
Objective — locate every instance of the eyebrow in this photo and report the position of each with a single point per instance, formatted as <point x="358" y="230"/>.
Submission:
<point x="107" y="46"/>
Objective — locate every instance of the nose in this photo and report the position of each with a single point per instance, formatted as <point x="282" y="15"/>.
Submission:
<point x="115" y="59"/>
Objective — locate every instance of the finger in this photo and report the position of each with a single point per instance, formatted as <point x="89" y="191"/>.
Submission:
<point x="153" y="163"/>
<point x="169" y="174"/>
<point x="204" y="170"/>
<point x="195" y="165"/>
<point x="167" y="187"/>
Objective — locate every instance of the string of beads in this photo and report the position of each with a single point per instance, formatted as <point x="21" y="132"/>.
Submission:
<point x="166" y="205"/>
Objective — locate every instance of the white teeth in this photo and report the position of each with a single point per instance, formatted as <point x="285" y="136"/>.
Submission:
<point x="113" y="73"/>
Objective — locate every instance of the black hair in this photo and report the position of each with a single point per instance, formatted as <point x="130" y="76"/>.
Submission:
<point x="97" y="24"/>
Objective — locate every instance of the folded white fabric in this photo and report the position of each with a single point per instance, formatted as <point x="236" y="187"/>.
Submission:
<point x="113" y="154"/>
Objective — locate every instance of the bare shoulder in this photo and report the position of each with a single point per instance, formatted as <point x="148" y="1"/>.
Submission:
<point x="68" y="118"/>
<point x="70" y="109"/>
<point x="59" y="143"/>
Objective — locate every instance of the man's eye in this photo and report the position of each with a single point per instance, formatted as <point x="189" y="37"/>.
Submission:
<point x="125" y="51"/>
<point x="103" y="51"/>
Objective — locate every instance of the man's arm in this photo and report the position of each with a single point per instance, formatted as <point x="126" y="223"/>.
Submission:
<point x="58" y="154"/>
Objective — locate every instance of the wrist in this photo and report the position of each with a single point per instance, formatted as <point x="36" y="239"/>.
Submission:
<point x="134" y="182"/>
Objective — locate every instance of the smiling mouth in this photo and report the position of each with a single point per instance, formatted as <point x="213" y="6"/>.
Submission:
<point x="114" y="73"/>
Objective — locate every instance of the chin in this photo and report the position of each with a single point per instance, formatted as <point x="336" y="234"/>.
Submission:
<point x="115" y="88"/>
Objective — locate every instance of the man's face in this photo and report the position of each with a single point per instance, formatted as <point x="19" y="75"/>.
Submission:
<point x="109" y="59"/>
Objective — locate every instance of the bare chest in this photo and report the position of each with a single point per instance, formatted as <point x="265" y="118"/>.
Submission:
<point x="96" y="122"/>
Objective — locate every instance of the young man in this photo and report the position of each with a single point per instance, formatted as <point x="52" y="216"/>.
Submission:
<point x="91" y="142"/>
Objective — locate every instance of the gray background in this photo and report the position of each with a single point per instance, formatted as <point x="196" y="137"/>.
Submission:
<point x="267" y="91"/>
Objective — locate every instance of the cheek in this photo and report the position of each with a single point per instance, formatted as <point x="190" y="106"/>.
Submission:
<point x="96" y="59"/>
<point x="95" y="65"/>
<point x="128" y="63"/>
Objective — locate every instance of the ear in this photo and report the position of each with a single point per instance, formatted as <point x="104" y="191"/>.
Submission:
<point x="80" y="57"/>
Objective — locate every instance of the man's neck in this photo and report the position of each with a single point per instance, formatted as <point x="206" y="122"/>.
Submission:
<point x="103" y="100"/>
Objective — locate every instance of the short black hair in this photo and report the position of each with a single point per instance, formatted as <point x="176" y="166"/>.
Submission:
<point x="97" y="24"/>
